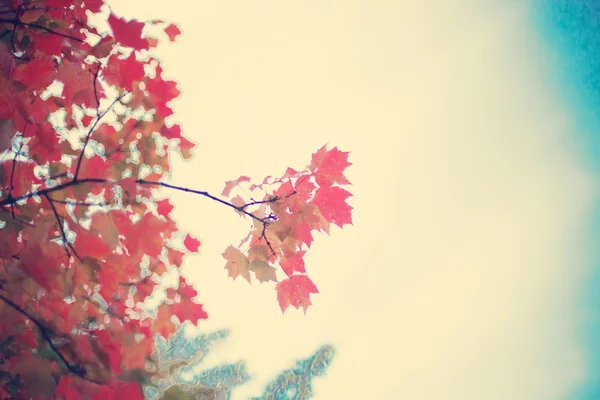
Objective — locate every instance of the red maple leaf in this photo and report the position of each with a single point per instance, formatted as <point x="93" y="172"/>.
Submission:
<point x="292" y="264"/>
<point x="162" y="92"/>
<point x="78" y="83"/>
<point x="145" y="289"/>
<point x="185" y="290"/>
<point x="175" y="257"/>
<point x="91" y="246"/>
<point x="123" y="73"/>
<point x="172" y="132"/>
<point x="328" y="166"/>
<point x="108" y="346"/>
<point x="36" y="74"/>
<point x="172" y="31"/>
<point x="188" y="311"/>
<point x="128" y="33"/>
<point x="332" y="203"/>
<point x="67" y="388"/>
<point x="295" y="291"/>
<point x="191" y="243"/>
<point x="229" y="185"/>
<point x="164" y="207"/>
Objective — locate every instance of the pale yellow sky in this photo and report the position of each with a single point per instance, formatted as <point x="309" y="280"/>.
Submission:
<point x="457" y="280"/>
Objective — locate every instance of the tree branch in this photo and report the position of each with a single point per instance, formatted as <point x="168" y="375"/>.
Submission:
<point x="74" y="369"/>
<point x="43" y="192"/>
<point x="16" y="22"/>
<point x="47" y="191"/>
<point x="242" y="209"/>
<point x="78" y="203"/>
<point x="205" y="194"/>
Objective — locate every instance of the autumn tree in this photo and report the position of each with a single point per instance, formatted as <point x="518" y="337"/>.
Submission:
<point x="86" y="141"/>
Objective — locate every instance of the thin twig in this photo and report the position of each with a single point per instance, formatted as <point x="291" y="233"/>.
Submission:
<point x="53" y="189"/>
<point x="89" y="135"/>
<point x="12" y="175"/>
<point x="12" y="38"/>
<point x="66" y="243"/>
<point x="205" y="194"/>
<point x="95" y="84"/>
<point x="253" y="203"/>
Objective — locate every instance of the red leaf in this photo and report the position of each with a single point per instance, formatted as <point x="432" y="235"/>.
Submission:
<point x="187" y="310"/>
<point x="185" y="148"/>
<point x="94" y="5"/>
<point x="163" y="324"/>
<point x="175" y="257"/>
<point x="295" y="291"/>
<point x="44" y="146"/>
<point x="36" y="74"/>
<point x="121" y="390"/>
<point x="186" y="290"/>
<point x="7" y="60"/>
<point x="129" y="33"/>
<point x="86" y="120"/>
<point x="124" y="72"/>
<point x="293" y="264"/>
<point x="164" y="207"/>
<point x="332" y="203"/>
<point x="173" y="132"/>
<point x="172" y="31"/>
<point x="95" y="167"/>
<point x="47" y="43"/>
<point x="110" y="348"/>
<point x="191" y="243"/>
<point x="145" y="289"/>
<point x="67" y="389"/>
<point x="7" y="132"/>
<point x="229" y="185"/>
<point x="91" y="246"/>
<point x="59" y="3"/>
<point x="328" y="166"/>
<point x="78" y="83"/>
<point x="161" y="92"/>
<point x="237" y="263"/>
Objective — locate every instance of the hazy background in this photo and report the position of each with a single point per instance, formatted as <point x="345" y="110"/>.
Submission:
<point x="459" y="279"/>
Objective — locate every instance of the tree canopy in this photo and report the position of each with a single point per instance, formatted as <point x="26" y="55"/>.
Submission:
<point x="86" y="140"/>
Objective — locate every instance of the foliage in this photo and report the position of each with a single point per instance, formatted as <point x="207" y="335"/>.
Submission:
<point x="86" y="141"/>
<point x="181" y="355"/>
